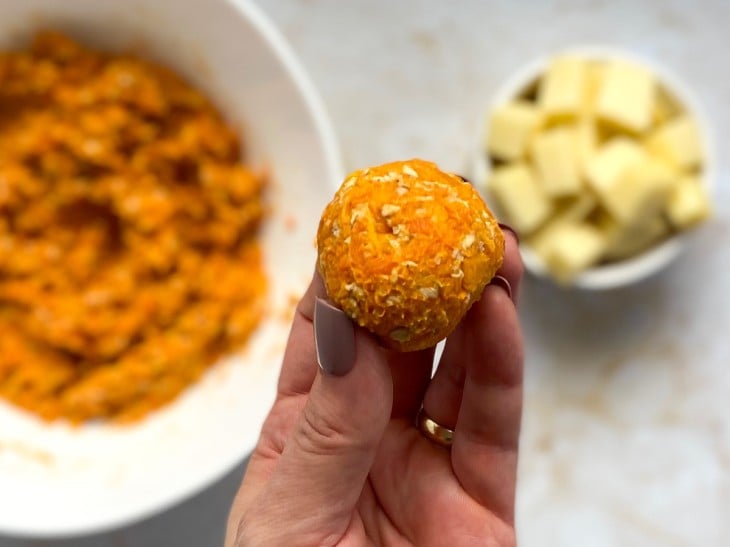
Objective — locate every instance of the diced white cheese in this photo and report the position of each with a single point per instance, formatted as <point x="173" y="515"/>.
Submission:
<point x="522" y="200"/>
<point x="688" y="203"/>
<point x="627" y="96"/>
<point x="628" y="241"/>
<point x="561" y="90"/>
<point x="555" y="156"/>
<point x="609" y="163"/>
<point x="640" y="191"/>
<point x="677" y="142"/>
<point x="510" y="128"/>
<point x="575" y="211"/>
<point x="595" y="73"/>
<point x="574" y="248"/>
<point x="586" y="143"/>
<point x="665" y="106"/>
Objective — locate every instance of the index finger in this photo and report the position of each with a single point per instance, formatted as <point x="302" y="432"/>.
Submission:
<point x="299" y="367"/>
<point x="411" y="371"/>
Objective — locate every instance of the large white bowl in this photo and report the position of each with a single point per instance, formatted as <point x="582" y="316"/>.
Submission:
<point x="56" y="480"/>
<point x="654" y="259"/>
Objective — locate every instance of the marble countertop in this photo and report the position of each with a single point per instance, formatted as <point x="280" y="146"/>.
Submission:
<point x="626" y="438"/>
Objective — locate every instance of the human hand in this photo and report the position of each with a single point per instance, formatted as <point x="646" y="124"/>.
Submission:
<point x="340" y="461"/>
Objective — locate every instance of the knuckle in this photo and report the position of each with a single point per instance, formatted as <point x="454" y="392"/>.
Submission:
<point x="324" y="433"/>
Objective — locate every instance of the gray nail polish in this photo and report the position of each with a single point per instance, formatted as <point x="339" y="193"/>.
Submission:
<point x="502" y="282"/>
<point x="334" y="339"/>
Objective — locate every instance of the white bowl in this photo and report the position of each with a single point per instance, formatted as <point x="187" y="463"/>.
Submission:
<point x="56" y="480"/>
<point x="654" y="259"/>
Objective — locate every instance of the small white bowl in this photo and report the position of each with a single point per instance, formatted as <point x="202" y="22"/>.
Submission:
<point x="654" y="259"/>
<point x="57" y="480"/>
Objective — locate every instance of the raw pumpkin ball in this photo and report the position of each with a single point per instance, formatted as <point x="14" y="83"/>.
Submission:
<point x="405" y="249"/>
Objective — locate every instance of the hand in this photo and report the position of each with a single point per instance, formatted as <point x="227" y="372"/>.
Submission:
<point x="339" y="460"/>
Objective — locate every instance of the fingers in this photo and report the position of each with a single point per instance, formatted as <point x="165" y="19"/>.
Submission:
<point x="299" y="366"/>
<point x="488" y="424"/>
<point x="411" y="374"/>
<point x="315" y="290"/>
<point x="411" y="371"/>
<point x="443" y="395"/>
<point x="512" y="269"/>
<point x="332" y="446"/>
<point x="298" y="371"/>
<point x="477" y="390"/>
<point x="442" y="399"/>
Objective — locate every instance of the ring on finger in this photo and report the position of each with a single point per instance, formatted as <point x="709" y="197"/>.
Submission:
<point x="433" y="431"/>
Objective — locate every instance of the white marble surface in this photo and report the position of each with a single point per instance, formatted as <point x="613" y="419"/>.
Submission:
<point x="627" y="420"/>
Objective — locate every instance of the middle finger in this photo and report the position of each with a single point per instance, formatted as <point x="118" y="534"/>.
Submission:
<point x="442" y="398"/>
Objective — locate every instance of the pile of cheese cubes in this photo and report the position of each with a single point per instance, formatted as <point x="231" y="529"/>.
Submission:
<point x="595" y="164"/>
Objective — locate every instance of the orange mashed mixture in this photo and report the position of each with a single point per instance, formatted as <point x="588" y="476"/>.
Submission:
<point x="128" y="253"/>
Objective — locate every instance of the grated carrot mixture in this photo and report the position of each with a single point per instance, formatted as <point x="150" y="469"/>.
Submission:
<point x="405" y="249"/>
<point x="128" y="253"/>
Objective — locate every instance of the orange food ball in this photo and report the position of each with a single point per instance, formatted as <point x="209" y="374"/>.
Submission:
<point x="405" y="249"/>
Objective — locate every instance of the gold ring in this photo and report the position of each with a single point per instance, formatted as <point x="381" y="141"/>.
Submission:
<point x="442" y="436"/>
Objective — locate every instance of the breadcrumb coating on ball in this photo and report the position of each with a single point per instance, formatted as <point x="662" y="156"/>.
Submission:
<point x="405" y="249"/>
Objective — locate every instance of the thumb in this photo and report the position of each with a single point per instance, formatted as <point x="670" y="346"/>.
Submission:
<point x="330" y="451"/>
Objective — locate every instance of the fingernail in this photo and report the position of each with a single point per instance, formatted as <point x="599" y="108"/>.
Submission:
<point x="334" y="339"/>
<point x="511" y="230"/>
<point x="502" y="282"/>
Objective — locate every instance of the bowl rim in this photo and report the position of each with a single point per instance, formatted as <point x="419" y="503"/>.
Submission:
<point x="194" y="484"/>
<point x="654" y="259"/>
<point x="302" y="81"/>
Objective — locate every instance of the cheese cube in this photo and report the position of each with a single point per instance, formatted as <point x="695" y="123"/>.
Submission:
<point x="593" y="82"/>
<point x="625" y="242"/>
<point x="510" y="128"/>
<point x="640" y="191"/>
<point x="555" y="156"/>
<point x="665" y="106"/>
<point x="627" y="96"/>
<point x="522" y="200"/>
<point x="574" y="248"/>
<point x="609" y="164"/>
<point x="677" y="142"/>
<point x="561" y="89"/>
<point x="688" y="204"/>
<point x="541" y="241"/>
<point x="575" y="210"/>
<point x="586" y="143"/>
